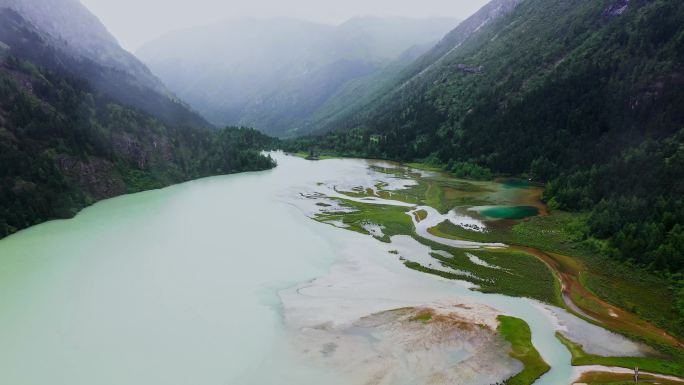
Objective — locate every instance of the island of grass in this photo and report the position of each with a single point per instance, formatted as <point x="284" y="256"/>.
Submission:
<point x="312" y="156"/>
<point x="518" y="334"/>
<point x="420" y="215"/>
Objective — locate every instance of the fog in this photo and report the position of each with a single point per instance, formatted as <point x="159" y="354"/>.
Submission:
<point x="134" y="22"/>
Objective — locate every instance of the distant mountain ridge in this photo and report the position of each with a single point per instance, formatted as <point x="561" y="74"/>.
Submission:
<point x="274" y="74"/>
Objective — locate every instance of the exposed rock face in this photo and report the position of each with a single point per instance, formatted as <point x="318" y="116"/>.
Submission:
<point x="436" y="57"/>
<point x="4" y="50"/>
<point x="490" y="12"/>
<point x="470" y="69"/>
<point x="616" y="9"/>
<point x="95" y="176"/>
<point x="142" y="151"/>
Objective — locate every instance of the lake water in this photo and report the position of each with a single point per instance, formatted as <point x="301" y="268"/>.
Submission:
<point x="223" y="280"/>
<point x="507" y="212"/>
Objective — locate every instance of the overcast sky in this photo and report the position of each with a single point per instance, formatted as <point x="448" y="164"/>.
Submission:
<point x="134" y="22"/>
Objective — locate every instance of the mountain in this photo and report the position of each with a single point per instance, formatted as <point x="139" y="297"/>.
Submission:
<point x="585" y="95"/>
<point x="355" y="95"/>
<point x="82" y="47"/>
<point x="68" y="139"/>
<point x="348" y="105"/>
<point x="275" y="74"/>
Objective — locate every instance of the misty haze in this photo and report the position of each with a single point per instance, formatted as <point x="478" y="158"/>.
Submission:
<point x="349" y="193"/>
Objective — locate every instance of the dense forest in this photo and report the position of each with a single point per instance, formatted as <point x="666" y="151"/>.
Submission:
<point x="586" y="96"/>
<point x="64" y="146"/>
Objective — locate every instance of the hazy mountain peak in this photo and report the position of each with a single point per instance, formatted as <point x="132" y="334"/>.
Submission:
<point x="56" y="17"/>
<point x="71" y="27"/>
<point x="272" y="73"/>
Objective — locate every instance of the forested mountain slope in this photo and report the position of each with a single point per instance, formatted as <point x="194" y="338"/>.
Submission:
<point x="275" y="74"/>
<point x="587" y="96"/>
<point x="82" y="47"/>
<point x="347" y="108"/>
<point x="65" y="143"/>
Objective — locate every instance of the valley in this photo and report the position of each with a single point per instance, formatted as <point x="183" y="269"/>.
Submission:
<point x="494" y="196"/>
<point x="389" y="288"/>
<point x="383" y="301"/>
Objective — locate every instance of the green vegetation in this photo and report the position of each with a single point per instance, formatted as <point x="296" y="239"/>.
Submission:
<point x="469" y="170"/>
<point x="517" y="274"/>
<point x="425" y="166"/>
<point x="116" y="73"/>
<point x="603" y="378"/>
<point x="580" y="357"/>
<point x="517" y="332"/>
<point x="309" y="156"/>
<point x="422" y="317"/>
<point x="546" y="248"/>
<point x="520" y="274"/>
<point x="589" y="103"/>
<point x="393" y="219"/>
<point x="563" y="233"/>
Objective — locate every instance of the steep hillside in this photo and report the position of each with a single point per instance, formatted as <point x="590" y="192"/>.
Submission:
<point x="80" y="46"/>
<point x="354" y="96"/>
<point x="349" y="107"/>
<point x="275" y="74"/>
<point x="585" y="95"/>
<point x="65" y="143"/>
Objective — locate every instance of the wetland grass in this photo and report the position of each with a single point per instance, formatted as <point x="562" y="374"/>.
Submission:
<point x="547" y="249"/>
<point x="518" y="334"/>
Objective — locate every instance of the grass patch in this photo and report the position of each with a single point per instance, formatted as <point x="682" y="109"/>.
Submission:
<point x="519" y="274"/>
<point x="394" y="219"/>
<point x="443" y="193"/>
<point x="561" y="235"/>
<point x="306" y="155"/>
<point x="517" y="332"/>
<point x="425" y="167"/>
<point x="423" y="317"/>
<point x="604" y="378"/>
<point x="649" y="364"/>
